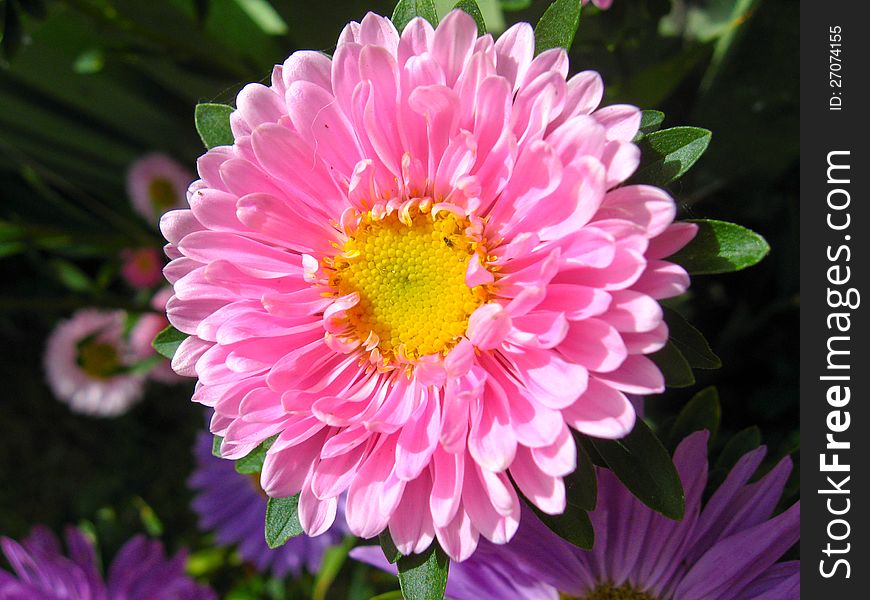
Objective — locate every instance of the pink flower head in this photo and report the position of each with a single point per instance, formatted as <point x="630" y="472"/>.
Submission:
<point x="85" y="362"/>
<point x="156" y="183"/>
<point x="142" y="267"/>
<point x="416" y="267"/>
<point x="600" y="4"/>
<point x="144" y="332"/>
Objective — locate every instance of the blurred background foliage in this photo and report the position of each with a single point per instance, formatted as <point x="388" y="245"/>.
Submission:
<point x="87" y="86"/>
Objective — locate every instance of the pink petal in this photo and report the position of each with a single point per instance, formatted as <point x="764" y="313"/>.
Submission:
<point x="601" y="412"/>
<point x="488" y="325"/>
<point x="637" y="375"/>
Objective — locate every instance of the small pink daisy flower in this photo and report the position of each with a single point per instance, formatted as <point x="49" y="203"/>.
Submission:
<point x="601" y="4"/>
<point x="157" y="183"/>
<point x="144" y="332"/>
<point x="142" y="267"/>
<point x="415" y="265"/>
<point x="85" y="362"/>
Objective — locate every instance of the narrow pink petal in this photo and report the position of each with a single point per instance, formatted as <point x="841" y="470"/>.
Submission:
<point x="515" y="49"/>
<point x="636" y="375"/>
<point x="671" y="240"/>
<point x="601" y="412"/>
<point x="453" y="43"/>
<point x="544" y="491"/>
<point x="447" y="477"/>
<point x="488" y="325"/>
<point x="316" y="516"/>
<point x="595" y="344"/>
<point x="411" y="526"/>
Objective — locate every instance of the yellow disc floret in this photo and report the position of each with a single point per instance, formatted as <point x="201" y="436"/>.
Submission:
<point x="409" y="271"/>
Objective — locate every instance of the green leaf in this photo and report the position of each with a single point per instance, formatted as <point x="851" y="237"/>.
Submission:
<point x="674" y="366"/>
<point x="264" y="16"/>
<point x="581" y="486"/>
<point x="557" y="26"/>
<point x="513" y="5"/>
<point x="330" y="566"/>
<point x="282" y="520"/>
<point x="391" y="595"/>
<point x="740" y="443"/>
<point x="669" y="153"/>
<point x="213" y="124"/>
<point x="168" y="341"/>
<point x="641" y="462"/>
<point x="424" y="576"/>
<point x="71" y="276"/>
<point x="703" y="411"/>
<point x="720" y="247"/>
<point x="650" y="120"/>
<point x="406" y="10"/>
<point x="89" y="62"/>
<point x="216" y="446"/>
<point x="389" y="547"/>
<point x="253" y="462"/>
<point x="471" y="7"/>
<point x="573" y="526"/>
<point x="690" y="342"/>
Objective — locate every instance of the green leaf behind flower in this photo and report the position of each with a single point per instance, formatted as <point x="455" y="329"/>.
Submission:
<point x="167" y="341"/>
<point x="391" y="553"/>
<point x="471" y="7"/>
<point x="690" y="342"/>
<point x="557" y="26"/>
<point x="673" y="366"/>
<point x="650" y="120"/>
<point x="643" y="465"/>
<point x="424" y="576"/>
<point x="213" y="124"/>
<point x="216" y="446"/>
<point x="253" y="462"/>
<point x="282" y="520"/>
<point x="669" y="153"/>
<point x="703" y="411"/>
<point x="720" y="247"/>
<point x="406" y="10"/>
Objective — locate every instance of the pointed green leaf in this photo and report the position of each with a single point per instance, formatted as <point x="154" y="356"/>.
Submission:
<point x="472" y="8"/>
<point x="253" y="462"/>
<point x="216" y="446"/>
<point x="557" y="26"/>
<point x="667" y="154"/>
<point x="282" y="520"/>
<point x="213" y="124"/>
<point x="581" y="486"/>
<point x="674" y="366"/>
<point x="168" y="341"/>
<point x="650" y="120"/>
<point x="740" y="443"/>
<point x="720" y="247"/>
<point x="406" y="10"/>
<point x="389" y="547"/>
<point x="573" y="526"/>
<point x="690" y="342"/>
<point x="424" y="576"/>
<point x="641" y="462"/>
<point x="703" y="411"/>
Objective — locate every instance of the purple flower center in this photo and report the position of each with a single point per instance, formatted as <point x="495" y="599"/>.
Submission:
<point x="611" y="592"/>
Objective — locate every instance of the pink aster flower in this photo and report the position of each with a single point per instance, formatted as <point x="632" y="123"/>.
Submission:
<point x="157" y="183"/>
<point x="142" y="267"/>
<point x="86" y="363"/>
<point x="417" y="267"/>
<point x="144" y="332"/>
<point x="601" y="4"/>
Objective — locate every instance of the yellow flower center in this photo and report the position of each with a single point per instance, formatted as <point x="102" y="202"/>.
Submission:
<point x="611" y="592"/>
<point x="409" y="273"/>
<point x="98" y="359"/>
<point x="162" y="194"/>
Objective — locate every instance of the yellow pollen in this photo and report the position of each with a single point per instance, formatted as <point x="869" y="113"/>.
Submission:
<point x="611" y="592"/>
<point x="409" y="271"/>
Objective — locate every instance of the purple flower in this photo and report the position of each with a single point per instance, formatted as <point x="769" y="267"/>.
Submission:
<point x="233" y="506"/>
<point x="140" y="571"/>
<point x="726" y="550"/>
